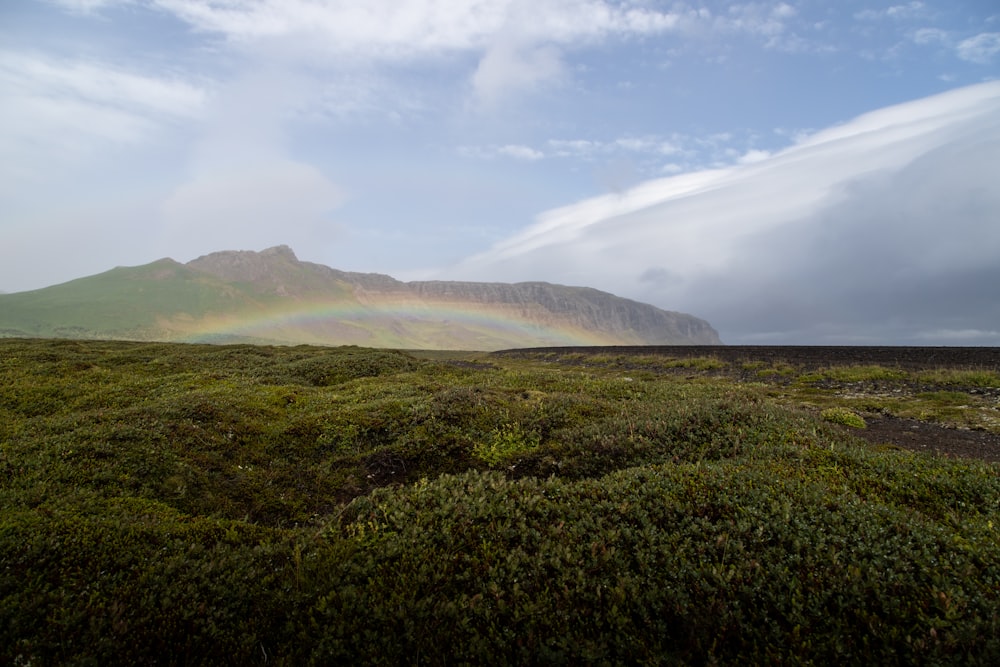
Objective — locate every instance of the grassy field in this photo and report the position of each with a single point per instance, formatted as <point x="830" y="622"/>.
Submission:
<point x="195" y="504"/>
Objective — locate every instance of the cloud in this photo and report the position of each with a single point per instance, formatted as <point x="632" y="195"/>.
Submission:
<point x="631" y="155"/>
<point x="882" y="229"/>
<point x="58" y="113"/>
<point x="518" y="45"/>
<point x="378" y="29"/>
<point x="515" y="151"/>
<point x="648" y="146"/>
<point x="520" y="152"/>
<point x="266" y="203"/>
<point x="980" y="49"/>
<point x="92" y="97"/>
<point x="926" y="36"/>
<point x="526" y="50"/>
<point x="756" y="18"/>
<point x="244" y="188"/>
<point x="754" y="155"/>
<point x="897" y="12"/>
<point x="86" y="6"/>
<point x="392" y="30"/>
<point x="509" y="68"/>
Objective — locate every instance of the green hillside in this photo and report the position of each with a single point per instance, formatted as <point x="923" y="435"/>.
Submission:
<point x="192" y="504"/>
<point x="126" y="302"/>
<point x="162" y="301"/>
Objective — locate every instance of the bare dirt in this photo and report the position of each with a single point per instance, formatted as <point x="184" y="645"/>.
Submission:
<point x="809" y="357"/>
<point x="882" y="430"/>
<point x="924" y="437"/>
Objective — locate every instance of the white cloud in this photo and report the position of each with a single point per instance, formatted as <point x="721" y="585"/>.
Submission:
<point x="647" y="146"/>
<point x="59" y="112"/>
<point x="390" y="29"/>
<point x="756" y="18"/>
<point x="510" y="68"/>
<point x="902" y="11"/>
<point x="376" y="29"/>
<point x="980" y="49"/>
<point x="520" y="152"/>
<point x="784" y="10"/>
<point x="87" y="6"/>
<point x="574" y="147"/>
<point x="516" y="151"/>
<point x="41" y="82"/>
<point x="883" y="227"/>
<point x="519" y="44"/>
<point x="931" y="36"/>
<point x="753" y="155"/>
<point x="899" y="12"/>
<point x="244" y="188"/>
<point x="622" y="159"/>
<point x="263" y="204"/>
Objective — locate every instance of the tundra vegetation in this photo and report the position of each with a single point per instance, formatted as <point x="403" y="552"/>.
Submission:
<point x="167" y="503"/>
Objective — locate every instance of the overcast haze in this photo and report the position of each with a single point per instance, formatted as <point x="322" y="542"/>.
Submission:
<point x="794" y="172"/>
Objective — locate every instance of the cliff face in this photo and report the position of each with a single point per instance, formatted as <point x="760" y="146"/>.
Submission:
<point x="587" y="308"/>
<point x="278" y="271"/>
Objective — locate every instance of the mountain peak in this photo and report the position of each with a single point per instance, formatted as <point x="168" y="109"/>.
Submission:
<point x="247" y="265"/>
<point x="282" y="251"/>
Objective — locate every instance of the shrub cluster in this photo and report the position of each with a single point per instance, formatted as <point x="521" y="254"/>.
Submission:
<point x="239" y="505"/>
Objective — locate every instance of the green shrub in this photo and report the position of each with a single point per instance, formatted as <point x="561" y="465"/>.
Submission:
<point x="505" y="442"/>
<point x="843" y="416"/>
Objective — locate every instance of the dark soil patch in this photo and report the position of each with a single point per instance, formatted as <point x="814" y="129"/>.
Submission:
<point x="925" y="437"/>
<point x="808" y="357"/>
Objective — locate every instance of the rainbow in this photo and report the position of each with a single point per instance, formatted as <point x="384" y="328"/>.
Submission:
<point x="402" y="324"/>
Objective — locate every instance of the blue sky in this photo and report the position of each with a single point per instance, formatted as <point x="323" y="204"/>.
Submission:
<point x="794" y="172"/>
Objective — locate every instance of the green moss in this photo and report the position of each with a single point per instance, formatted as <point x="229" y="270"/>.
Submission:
<point x="844" y="416"/>
<point x="961" y="377"/>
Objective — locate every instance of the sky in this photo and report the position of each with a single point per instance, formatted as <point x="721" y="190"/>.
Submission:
<point x="795" y="172"/>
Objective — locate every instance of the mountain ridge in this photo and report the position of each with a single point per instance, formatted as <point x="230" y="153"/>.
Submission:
<point x="271" y="296"/>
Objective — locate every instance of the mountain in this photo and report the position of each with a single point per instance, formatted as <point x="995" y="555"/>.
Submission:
<point x="272" y="297"/>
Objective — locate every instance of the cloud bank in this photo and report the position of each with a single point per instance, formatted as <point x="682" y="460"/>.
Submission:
<point x="881" y="230"/>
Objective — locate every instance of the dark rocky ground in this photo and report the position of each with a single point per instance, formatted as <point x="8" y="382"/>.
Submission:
<point x="882" y="430"/>
<point x="926" y="437"/>
<point x="810" y="356"/>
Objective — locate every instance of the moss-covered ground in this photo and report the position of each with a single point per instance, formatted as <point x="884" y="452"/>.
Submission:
<point x="184" y="504"/>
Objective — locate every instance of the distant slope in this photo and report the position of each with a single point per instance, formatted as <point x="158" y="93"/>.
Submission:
<point x="272" y="297"/>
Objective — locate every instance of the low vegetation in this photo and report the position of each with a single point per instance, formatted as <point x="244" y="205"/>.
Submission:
<point x="302" y="505"/>
<point x="843" y="416"/>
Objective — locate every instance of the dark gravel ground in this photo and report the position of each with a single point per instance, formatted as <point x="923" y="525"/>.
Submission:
<point x="882" y="430"/>
<point x="924" y="437"/>
<point x="807" y="356"/>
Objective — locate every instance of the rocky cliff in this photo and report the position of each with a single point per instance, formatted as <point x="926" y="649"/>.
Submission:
<point x="542" y="304"/>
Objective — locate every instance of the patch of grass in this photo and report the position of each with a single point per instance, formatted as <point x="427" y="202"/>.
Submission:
<point x="961" y="377"/>
<point x="763" y="369"/>
<point x="843" y="416"/>
<point x="856" y="373"/>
